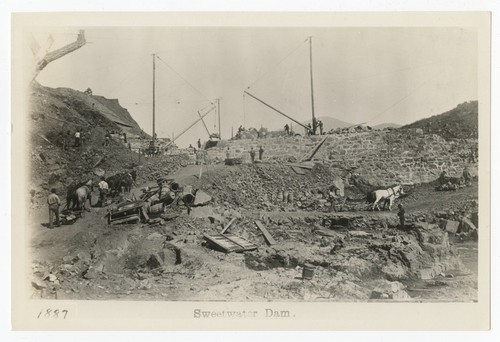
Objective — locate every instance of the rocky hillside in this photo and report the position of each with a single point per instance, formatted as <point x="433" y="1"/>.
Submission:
<point x="458" y="123"/>
<point x="54" y="160"/>
<point x="80" y="109"/>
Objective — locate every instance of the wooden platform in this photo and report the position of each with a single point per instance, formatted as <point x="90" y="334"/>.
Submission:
<point x="228" y="243"/>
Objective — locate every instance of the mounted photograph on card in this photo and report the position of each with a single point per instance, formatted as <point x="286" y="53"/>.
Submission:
<point x="280" y="171"/>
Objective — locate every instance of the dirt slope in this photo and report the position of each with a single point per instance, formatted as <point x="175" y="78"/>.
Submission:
<point x="458" y="123"/>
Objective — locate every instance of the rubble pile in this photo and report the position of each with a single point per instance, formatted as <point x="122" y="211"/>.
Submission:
<point x="262" y="186"/>
<point x="153" y="168"/>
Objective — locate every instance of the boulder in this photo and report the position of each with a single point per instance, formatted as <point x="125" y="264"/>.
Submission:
<point x="451" y="226"/>
<point x="389" y="290"/>
<point x="201" y="198"/>
<point x="427" y="273"/>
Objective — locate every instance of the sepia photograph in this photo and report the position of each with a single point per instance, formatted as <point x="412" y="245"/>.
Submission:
<point x="260" y="165"/>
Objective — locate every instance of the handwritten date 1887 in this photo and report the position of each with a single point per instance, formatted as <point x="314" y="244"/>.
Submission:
<point x="54" y="314"/>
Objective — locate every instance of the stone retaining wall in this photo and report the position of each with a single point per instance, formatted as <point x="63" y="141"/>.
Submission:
<point x="382" y="157"/>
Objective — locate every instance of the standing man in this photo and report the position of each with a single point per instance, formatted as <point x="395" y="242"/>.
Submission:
<point x="199" y="144"/>
<point x="308" y="129"/>
<point x="252" y="155"/>
<point x="443" y="178"/>
<point x="124" y="137"/>
<point x="77" y="138"/>
<point x="332" y="195"/>
<point x="227" y="153"/>
<point x="320" y="125"/>
<point x="66" y="140"/>
<point x="107" y="138"/>
<point x="287" y="129"/>
<point x="261" y="151"/>
<point x="54" y="202"/>
<point x="103" y="191"/>
<point x="401" y="214"/>
<point x="467" y="176"/>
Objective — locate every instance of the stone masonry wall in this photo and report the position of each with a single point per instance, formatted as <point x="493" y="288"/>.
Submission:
<point x="382" y="157"/>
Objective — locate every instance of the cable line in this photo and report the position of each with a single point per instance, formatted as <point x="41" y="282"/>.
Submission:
<point x="281" y="61"/>
<point x="192" y="86"/>
<point x="404" y="97"/>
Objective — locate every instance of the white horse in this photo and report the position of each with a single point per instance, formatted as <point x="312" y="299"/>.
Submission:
<point x="387" y="195"/>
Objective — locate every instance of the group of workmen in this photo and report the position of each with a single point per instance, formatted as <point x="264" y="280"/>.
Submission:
<point x="252" y="154"/>
<point x="198" y="143"/>
<point x="466" y="176"/>
<point x="309" y="129"/>
<point x="107" y="138"/>
<point x="78" y="139"/>
<point x="54" y="202"/>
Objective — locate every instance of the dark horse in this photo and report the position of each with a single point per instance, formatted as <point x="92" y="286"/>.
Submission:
<point x="121" y="182"/>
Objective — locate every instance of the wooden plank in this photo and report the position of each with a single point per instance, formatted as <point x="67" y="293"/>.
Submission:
<point x="298" y="170"/>
<point x="228" y="225"/>
<point x="264" y="231"/>
<point x="126" y="219"/>
<point x="302" y="166"/>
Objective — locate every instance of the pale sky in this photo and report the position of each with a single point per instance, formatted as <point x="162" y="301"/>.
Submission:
<point x="372" y="75"/>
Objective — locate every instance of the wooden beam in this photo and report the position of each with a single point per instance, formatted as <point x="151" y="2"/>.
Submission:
<point x="277" y="111"/>
<point x="311" y="155"/>
<point x="56" y="54"/>
<point x="264" y="231"/>
<point x="228" y="225"/>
